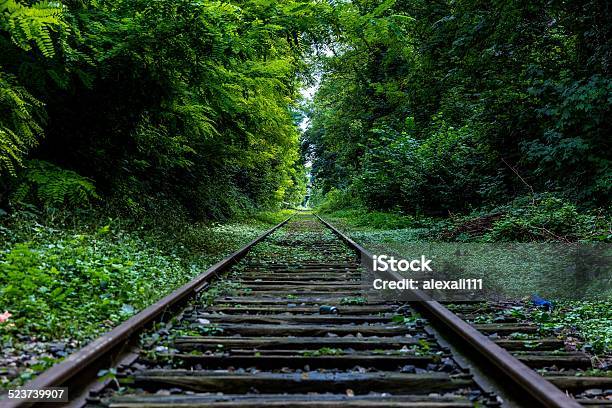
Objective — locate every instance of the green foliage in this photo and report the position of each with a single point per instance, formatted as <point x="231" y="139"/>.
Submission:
<point x="182" y="102"/>
<point x="72" y="284"/>
<point x="592" y="320"/>
<point x="215" y="118"/>
<point x="80" y="277"/>
<point x="444" y="107"/>
<point x="575" y="130"/>
<point x="545" y="218"/>
<point x="27" y="27"/>
<point x="47" y="185"/>
<point x="269" y="217"/>
<point x="337" y="199"/>
<point x="444" y="171"/>
<point x="373" y="219"/>
<point x="19" y="123"/>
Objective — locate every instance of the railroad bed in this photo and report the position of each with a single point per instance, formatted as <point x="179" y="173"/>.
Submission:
<point x="265" y="335"/>
<point x="571" y="370"/>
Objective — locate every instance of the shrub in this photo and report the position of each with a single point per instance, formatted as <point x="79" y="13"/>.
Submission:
<point x="48" y="185"/>
<point x="336" y="200"/>
<point x="272" y="217"/>
<point x="547" y="217"/>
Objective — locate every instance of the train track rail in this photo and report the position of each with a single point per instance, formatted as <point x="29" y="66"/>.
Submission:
<point x="288" y="325"/>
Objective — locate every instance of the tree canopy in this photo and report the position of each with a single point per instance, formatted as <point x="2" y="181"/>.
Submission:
<point x="435" y="107"/>
<point x="167" y="102"/>
<point x="425" y="107"/>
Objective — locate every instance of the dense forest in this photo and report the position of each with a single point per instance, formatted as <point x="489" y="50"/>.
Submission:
<point x="441" y="107"/>
<point x="152" y="106"/>
<point x="423" y="107"/>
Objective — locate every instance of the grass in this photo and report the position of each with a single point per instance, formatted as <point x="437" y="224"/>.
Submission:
<point x="374" y="220"/>
<point x="544" y="217"/>
<point x="271" y="217"/>
<point x="71" y="283"/>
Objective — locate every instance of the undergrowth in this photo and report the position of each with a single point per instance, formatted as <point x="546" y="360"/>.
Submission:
<point x="592" y="320"/>
<point x="72" y="283"/>
<point x="540" y="218"/>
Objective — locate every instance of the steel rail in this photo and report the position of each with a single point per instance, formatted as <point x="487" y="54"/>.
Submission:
<point x="524" y="377"/>
<point x="78" y="361"/>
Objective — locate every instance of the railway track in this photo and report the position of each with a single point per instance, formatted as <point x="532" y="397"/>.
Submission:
<point x="288" y="325"/>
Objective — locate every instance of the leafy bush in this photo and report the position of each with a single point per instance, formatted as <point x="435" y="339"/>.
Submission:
<point x="547" y="217"/>
<point x="444" y="173"/>
<point x="48" y="185"/>
<point x="576" y="130"/>
<point x="20" y="125"/>
<point x="592" y="320"/>
<point x="33" y="24"/>
<point x="447" y="171"/>
<point x="27" y="27"/>
<point x="270" y="217"/>
<point x="337" y="199"/>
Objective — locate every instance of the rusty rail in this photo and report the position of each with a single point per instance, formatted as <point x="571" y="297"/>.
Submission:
<point x="81" y="367"/>
<point x="76" y="363"/>
<point x="523" y="376"/>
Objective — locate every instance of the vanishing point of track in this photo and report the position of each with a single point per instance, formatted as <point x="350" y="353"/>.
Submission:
<point x="267" y="335"/>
